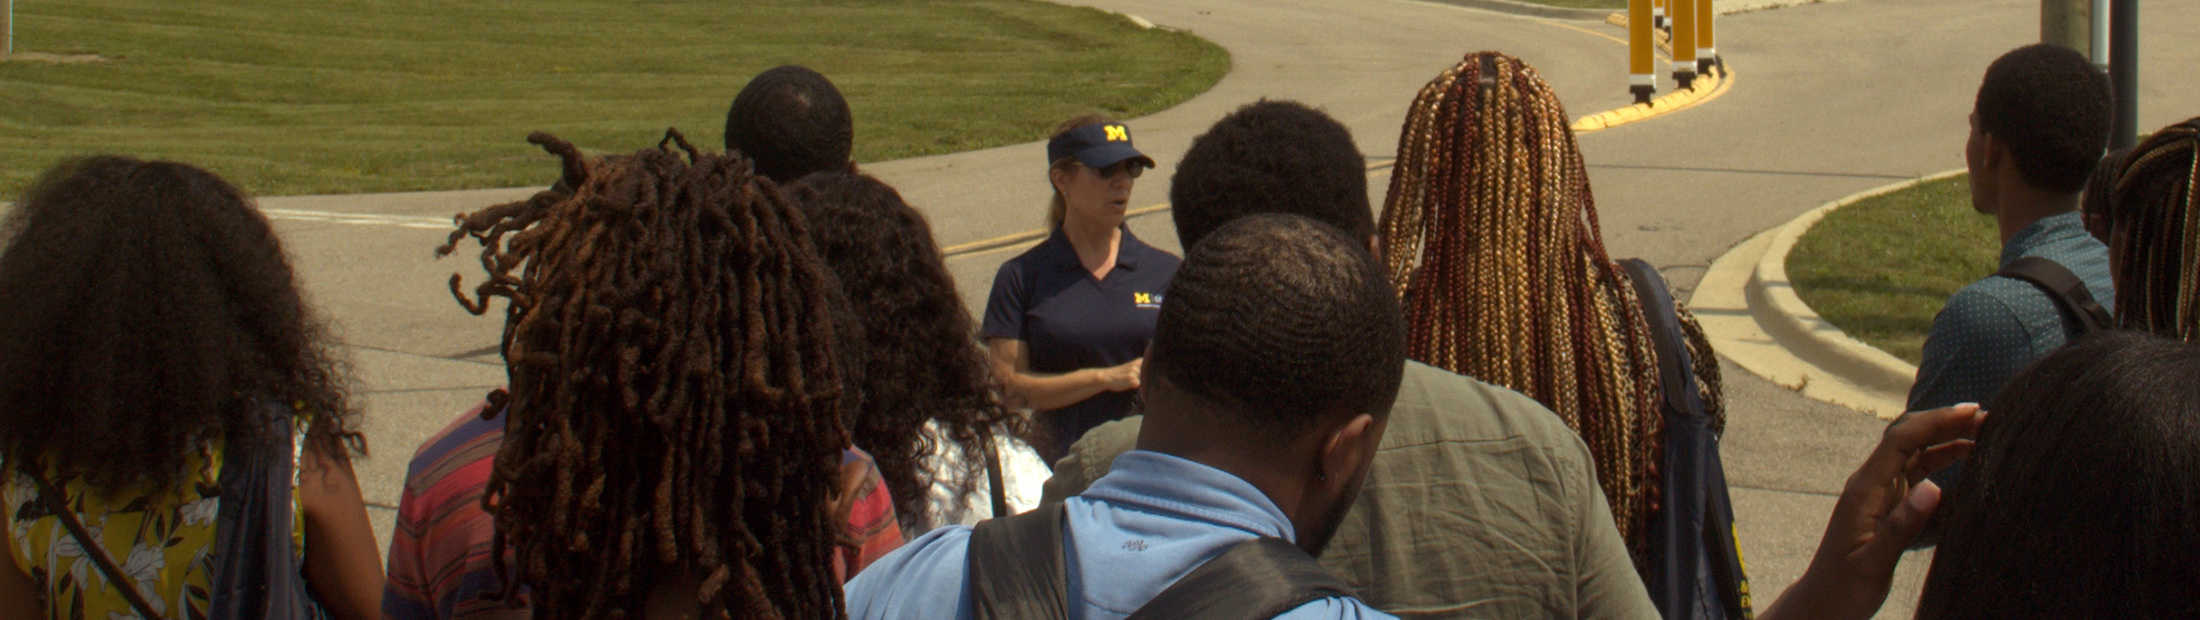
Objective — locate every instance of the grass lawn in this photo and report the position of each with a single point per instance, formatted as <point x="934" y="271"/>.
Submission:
<point x="358" y="96"/>
<point x="1881" y="268"/>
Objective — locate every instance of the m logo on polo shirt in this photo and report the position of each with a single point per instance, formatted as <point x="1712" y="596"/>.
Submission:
<point x="1117" y="133"/>
<point x="1146" y="301"/>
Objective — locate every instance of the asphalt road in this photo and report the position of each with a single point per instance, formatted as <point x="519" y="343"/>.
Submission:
<point x="1829" y="99"/>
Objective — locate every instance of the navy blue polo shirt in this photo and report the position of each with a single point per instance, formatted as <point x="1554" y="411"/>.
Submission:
<point x="1068" y="320"/>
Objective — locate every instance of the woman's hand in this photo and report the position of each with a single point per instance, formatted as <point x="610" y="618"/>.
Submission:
<point x="1883" y="507"/>
<point x="1122" y="377"/>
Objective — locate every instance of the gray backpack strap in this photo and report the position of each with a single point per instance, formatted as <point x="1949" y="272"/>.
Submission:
<point x="1255" y="579"/>
<point x="1016" y="567"/>
<point x="2065" y="288"/>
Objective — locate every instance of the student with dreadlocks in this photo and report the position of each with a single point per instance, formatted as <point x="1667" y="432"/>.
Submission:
<point x="168" y="403"/>
<point x="675" y="417"/>
<point x="792" y="122"/>
<point x="2151" y="214"/>
<point x="1068" y="320"/>
<point x="931" y="412"/>
<point x="1480" y="499"/>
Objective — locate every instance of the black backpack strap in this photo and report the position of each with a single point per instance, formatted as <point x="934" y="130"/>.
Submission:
<point x="1016" y="566"/>
<point x="1676" y="368"/>
<point x="1258" y="578"/>
<point x="2064" y="287"/>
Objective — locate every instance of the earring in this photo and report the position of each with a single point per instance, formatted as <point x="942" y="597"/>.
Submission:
<point x="1321" y="476"/>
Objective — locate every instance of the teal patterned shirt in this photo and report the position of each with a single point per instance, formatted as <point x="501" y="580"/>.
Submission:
<point x="1996" y="326"/>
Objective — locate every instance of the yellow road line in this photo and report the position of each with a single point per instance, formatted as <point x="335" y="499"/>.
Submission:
<point x="1012" y="240"/>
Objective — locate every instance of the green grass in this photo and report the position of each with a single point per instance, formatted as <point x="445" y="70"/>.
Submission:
<point x="387" y="95"/>
<point x="1881" y="268"/>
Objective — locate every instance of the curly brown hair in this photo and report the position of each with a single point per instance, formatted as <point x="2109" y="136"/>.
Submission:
<point x="923" y="362"/>
<point x="674" y="409"/>
<point x="147" y="310"/>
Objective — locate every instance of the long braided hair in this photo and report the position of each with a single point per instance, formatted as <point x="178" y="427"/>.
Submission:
<point x="1490" y="235"/>
<point x="673" y="409"/>
<point x="2155" y="215"/>
<point x="922" y="365"/>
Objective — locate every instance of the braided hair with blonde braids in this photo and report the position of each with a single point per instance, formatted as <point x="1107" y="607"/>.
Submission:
<point x="674" y="414"/>
<point x="1490" y="235"/>
<point x="2154" y="215"/>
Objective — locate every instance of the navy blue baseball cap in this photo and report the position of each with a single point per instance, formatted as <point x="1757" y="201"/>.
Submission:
<point x="1097" y="146"/>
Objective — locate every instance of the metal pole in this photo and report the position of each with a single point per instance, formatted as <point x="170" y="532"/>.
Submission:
<point x="2062" y="22"/>
<point x="2123" y="71"/>
<point x="1642" y="51"/>
<point x="2099" y="21"/>
<point x="1707" y="54"/>
<point x="1683" y="16"/>
<point x="7" y="30"/>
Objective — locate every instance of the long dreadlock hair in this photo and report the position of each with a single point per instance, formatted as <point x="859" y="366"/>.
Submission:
<point x="673" y="408"/>
<point x="2155" y="215"/>
<point x="923" y="364"/>
<point x="1491" y="237"/>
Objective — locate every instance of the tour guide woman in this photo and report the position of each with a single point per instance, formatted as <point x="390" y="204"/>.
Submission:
<point x="1068" y="320"/>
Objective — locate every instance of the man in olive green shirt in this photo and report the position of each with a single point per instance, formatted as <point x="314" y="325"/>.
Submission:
<point x="1480" y="502"/>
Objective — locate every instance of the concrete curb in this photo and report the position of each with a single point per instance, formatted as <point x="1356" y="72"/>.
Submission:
<point x="1751" y="313"/>
<point x="1774" y="302"/>
<point x="1706" y="87"/>
<point x="1526" y="8"/>
<point x="1754" y="319"/>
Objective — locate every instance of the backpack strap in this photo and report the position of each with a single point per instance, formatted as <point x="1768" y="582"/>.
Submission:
<point x="2064" y="287"/>
<point x="1016" y="567"/>
<point x="1258" y="578"/>
<point x="121" y="581"/>
<point x="1676" y="368"/>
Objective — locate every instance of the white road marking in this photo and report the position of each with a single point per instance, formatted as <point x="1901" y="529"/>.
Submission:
<point x="360" y="219"/>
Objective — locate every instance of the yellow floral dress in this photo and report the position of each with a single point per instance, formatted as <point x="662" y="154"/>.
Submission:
<point x="163" y="540"/>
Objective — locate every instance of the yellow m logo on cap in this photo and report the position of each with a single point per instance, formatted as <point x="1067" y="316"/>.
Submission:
<point x="1118" y="133"/>
<point x="1143" y="298"/>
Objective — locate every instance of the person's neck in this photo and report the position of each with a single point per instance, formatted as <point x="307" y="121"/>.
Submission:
<point x="1096" y="242"/>
<point x="1210" y="444"/>
<point x="2021" y="206"/>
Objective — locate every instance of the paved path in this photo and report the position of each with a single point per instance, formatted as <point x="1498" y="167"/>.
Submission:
<point x="1830" y="99"/>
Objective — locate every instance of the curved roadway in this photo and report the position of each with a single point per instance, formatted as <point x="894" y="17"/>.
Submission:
<point x="1830" y="99"/>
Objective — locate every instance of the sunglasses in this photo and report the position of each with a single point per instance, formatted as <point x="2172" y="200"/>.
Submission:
<point x="1132" y="167"/>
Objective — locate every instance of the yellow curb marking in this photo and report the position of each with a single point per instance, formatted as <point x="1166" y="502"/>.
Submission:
<point x="1666" y="104"/>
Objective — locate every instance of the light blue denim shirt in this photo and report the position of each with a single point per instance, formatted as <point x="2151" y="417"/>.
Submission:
<point x="1149" y="522"/>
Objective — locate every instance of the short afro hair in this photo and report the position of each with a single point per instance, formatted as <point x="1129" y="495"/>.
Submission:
<point x="1272" y="157"/>
<point x="1281" y="322"/>
<point x="792" y="122"/>
<point x="2052" y="108"/>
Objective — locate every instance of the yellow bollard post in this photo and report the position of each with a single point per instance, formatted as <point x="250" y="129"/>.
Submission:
<point x="1707" y="54"/>
<point x="1683" y="14"/>
<point x="1642" y="50"/>
<point x="1657" y="14"/>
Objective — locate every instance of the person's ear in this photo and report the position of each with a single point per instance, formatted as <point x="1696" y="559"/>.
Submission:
<point x="1375" y="248"/>
<point x="1994" y="153"/>
<point x="1347" y="449"/>
<point x="1060" y="176"/>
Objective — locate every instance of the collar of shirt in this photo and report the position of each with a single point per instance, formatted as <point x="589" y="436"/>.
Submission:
<point x="1127" y="252"/>
<point x="2047" y="230"/>
<point x="1179" y="487"/>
